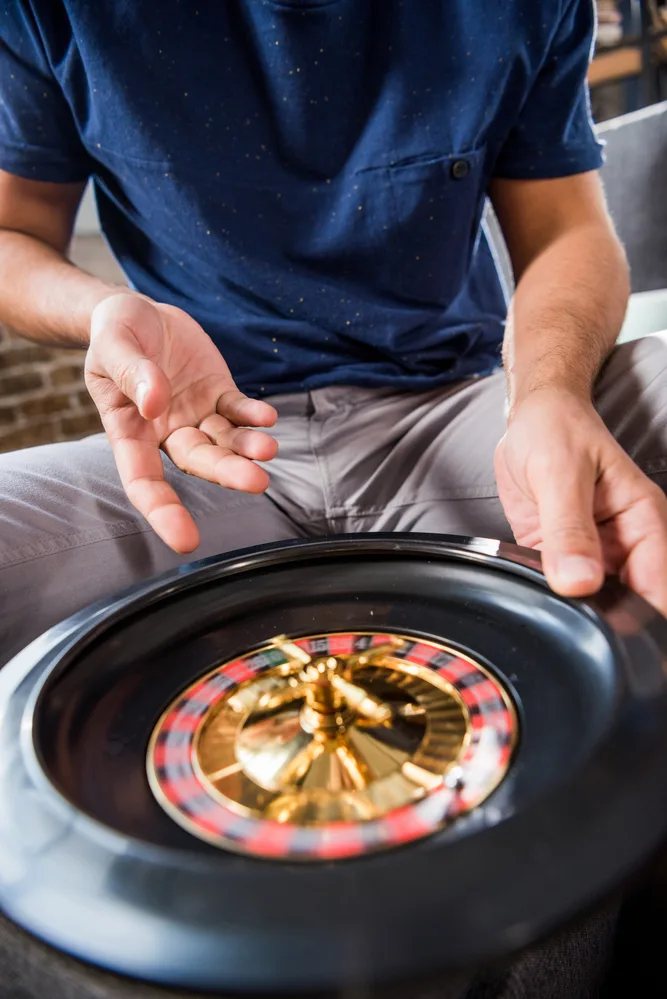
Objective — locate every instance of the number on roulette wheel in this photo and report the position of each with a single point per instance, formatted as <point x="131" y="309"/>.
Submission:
<point x="317" y="764"/>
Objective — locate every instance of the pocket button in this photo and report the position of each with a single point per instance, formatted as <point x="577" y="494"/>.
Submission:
<point x="460" y="169"/>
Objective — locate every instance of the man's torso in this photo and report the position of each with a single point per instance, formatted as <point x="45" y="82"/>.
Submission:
<point x="306" y="178"/>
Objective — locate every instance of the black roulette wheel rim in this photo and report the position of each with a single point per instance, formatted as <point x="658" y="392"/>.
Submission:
<point x="528" y="860"/>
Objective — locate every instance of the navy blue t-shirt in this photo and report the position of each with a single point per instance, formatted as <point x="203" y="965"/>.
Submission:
<point x="306" y="178"/>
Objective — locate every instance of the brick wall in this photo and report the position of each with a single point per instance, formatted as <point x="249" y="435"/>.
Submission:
<point x="43" y="398"/>
<point x="42" y="395"/>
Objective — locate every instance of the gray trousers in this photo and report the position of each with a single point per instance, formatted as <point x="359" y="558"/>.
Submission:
<point x="350" y="460"/>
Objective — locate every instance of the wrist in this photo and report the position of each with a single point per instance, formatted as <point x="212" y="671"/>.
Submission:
<point x="552" y="393"/>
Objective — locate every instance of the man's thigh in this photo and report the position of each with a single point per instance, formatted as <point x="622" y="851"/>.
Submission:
<point x="413" y="461"/>
<point x="69" y="536"/>
<point x="429" y="457"/>
<point x="631" y="397"/>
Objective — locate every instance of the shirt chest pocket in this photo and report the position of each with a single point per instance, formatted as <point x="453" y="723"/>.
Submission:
<point x="436" y="208"/>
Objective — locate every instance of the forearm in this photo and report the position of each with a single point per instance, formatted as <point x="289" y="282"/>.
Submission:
<point x="43" y="295"/>
<point x="566" y="314"/>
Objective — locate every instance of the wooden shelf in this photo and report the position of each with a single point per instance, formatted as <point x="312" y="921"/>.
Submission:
<point x="609" y="67"/>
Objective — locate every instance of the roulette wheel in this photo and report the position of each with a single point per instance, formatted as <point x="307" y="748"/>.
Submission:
<point x="323" y="765"/>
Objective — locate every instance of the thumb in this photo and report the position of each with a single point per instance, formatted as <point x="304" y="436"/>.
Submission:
<point x="571" y="547"/>
<point x="117" y="353"/>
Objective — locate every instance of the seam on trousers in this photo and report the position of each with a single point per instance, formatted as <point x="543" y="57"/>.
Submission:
<point x="118" y="529"/>
<point x="64" y="542"/>
<point x="454" y="496"/>
<point x="325" y="483"/>
<point x="121" y="529"/>
<point x="305" y="520"/>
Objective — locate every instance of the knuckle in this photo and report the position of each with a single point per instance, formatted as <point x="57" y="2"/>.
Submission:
<point x="655" y="504"/>
<point x="230" y="398"/>
<point x="145" y="492"/>
<point x="125" y="376"/>
<point x="572" y="535"/>
<point x="103" y="392"/>
<point x="657" y="497"/>
<point x="134" y="493"/>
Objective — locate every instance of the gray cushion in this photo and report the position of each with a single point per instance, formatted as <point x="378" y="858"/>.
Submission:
<point x="635" y="179"/>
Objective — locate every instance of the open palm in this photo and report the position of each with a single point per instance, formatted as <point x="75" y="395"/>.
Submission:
<point x="160" y="383"/>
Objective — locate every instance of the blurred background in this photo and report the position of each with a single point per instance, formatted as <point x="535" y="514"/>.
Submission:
<point x="629" y="70"/>
<point x="42" y="395"/>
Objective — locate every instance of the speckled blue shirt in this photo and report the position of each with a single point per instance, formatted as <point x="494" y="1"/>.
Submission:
<point x="306" y="178"/>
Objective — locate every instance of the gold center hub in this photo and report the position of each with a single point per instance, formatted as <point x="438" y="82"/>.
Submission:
<point x="336" y="738"/>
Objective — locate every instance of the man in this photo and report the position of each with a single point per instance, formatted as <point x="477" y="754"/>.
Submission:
<point x="295" y="189"/>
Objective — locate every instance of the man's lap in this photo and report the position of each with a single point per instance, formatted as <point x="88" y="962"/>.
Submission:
<point x="385" y="461"/>
<point x="68" y="534"/>
<point x="350" y="460"/>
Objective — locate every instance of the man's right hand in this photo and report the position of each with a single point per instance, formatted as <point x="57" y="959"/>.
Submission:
<point x="160" y="383"/>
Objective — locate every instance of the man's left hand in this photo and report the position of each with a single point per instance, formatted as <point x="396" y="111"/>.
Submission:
<point x="570" y="490"/>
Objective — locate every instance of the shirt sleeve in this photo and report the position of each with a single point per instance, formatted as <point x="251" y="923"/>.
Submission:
<point x="38" y="135"/>
<point x="554" y="135"/>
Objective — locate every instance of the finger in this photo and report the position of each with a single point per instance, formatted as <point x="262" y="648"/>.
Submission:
<point x="115" y="353"/>
<point x="245" y="412"/>
<point x="251" y="444"/>
<point x="571" y="549"/>
<point x="142" y="475"/>
<point x="645" y="570"/>
<point x="192" y="451"/>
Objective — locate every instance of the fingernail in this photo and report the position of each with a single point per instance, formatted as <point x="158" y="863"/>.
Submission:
<point x="142" y="392"/>
<point x="577" y="569"/>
